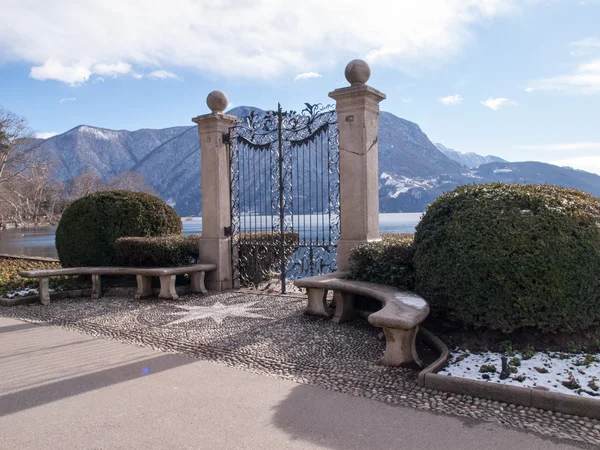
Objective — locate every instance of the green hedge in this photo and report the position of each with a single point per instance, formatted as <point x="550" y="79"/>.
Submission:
<point x="259" y="254"/>
<point x="511" y="257"/>
<point x="161" y="251"/>
<point x="389" y="261"/>
<point x="90" y="225"/>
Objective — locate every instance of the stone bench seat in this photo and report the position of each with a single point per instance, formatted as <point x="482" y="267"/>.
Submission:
<point x="143" y="276"/>
<point x="400" y="316"/>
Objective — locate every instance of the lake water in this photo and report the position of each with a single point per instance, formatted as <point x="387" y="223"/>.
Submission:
<point x="40" y="241"/>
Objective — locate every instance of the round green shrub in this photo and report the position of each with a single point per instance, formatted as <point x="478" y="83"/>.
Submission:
<point x="90" y="225"/>
<point x="509" y="257"/>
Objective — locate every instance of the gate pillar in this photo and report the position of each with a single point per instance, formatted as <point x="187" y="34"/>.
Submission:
<point x="357" y="107"/>
<point x="215" y="244"/>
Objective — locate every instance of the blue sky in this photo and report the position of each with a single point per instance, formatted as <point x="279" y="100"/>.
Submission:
<point x="515" y="78"/>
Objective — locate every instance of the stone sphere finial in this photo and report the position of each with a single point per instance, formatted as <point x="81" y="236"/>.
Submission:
<point x="217" y="101"/>
<point x="357" y="72"/>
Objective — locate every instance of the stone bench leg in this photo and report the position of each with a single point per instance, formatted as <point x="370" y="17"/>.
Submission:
<point x="344" y="307"/>
<point x="167" y="287"/>
<point x="197" y="282"/>
<point x="317" y="303"/>
<point x="400" y="347"/>
<point x="44" y="291"/>
<point x="144" y="286"/>
<point x="96" y="286"/>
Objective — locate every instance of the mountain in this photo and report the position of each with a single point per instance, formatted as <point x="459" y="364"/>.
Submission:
<point x="470" y="160"/>
<point x="412" y="170"/>
<point x="105" y="152"/>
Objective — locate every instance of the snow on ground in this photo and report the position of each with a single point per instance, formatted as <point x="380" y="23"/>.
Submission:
<point x="22" y="293"/>
<point x="576" y="374"/>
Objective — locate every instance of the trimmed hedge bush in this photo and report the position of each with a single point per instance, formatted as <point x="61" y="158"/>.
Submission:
<point x="90" y="225"/>
<point x="161" y="251"/>
<point x="258" y="254"/>
<point x="389" y="261"/>
<point x="510" y="257"/>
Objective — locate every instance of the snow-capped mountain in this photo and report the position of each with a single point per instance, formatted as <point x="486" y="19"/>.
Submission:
<point x="412" y="170"/>
<point x="470" y="160"/>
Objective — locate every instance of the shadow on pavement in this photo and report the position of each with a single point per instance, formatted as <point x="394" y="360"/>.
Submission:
<point x="36" y="396"/>
<point x="18" y="327"/>
<point x="345" y="422"/>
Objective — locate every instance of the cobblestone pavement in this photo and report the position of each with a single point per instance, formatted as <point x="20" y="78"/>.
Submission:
<point x="268" y="334"/>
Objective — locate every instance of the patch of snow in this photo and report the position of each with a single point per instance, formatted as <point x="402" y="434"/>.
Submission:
<point x="105" y="135"/>
<point x="560" y="367"/>
<point x="414" y="301"/>
<point x="385" y="176"/>
<point x="471" y="174"/>
<point x="502" y="170"/>
<point x="403" y="184"/>
<point x="22" y="293"/>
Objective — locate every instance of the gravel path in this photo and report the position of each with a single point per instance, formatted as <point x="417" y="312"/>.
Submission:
<point x="270" y="335"/>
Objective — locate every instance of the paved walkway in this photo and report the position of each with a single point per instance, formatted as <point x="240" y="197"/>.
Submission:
<point x="65" y="390"/>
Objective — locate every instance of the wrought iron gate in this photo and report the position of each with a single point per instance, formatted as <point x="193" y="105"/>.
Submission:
<point x="284" y="195"/>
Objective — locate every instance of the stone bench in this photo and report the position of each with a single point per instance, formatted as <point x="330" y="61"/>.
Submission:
<point x="400" y="316"/>
<point x="143" y="276"/>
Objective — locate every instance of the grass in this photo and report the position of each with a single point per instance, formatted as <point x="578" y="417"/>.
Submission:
<point x="11" y="281"/>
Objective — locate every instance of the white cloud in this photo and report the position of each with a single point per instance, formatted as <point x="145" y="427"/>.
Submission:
<point x="70" y="99"/>
<point x="496" y="103"/>
<point x="66" y="40"/>
<point x="451" y="100"/>
<point x="407" y="100"/>
<point x="112" y="70"/>
<point x="162" y="75"/>
<point x="590" y="163"/>
<point x="584" y="79"/>
<point x="45" y="134"/>
<point x="307" y="76"/>
<point x="565" y="146"/>
<point x="585" y="46"/>
<point x="77" y="73"/>
<point x="137" y="76"/>
<point x="52" y="69"/>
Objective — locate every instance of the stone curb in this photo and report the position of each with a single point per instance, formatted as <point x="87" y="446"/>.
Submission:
<point x="524" y="396"/>
<point x="31" y="258"/>
<point x="440" y="348"/>
<point x="517" y="395"/>
<point x="32" y="299"/>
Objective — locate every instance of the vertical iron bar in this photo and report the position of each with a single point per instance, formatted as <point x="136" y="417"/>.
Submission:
<point x="323" y="152"/>
<point x="231" y="205"/>
<point x="281" y="211"/>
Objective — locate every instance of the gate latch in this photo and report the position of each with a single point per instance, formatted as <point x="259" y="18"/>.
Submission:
<point x="227" y="231"/>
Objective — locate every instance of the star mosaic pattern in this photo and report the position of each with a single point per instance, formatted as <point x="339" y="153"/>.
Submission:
<point x="218" y="312"/>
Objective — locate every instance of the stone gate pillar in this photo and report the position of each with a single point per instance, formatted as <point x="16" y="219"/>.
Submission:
<point x="215" y="246"/>
<point x="357" y="107"/>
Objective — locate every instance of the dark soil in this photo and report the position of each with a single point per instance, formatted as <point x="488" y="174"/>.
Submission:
<point x="456" y="336"/>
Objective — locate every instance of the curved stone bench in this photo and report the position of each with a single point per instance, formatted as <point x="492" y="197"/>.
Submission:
<point x="400" y="316"/>
<point x="143" y="276"/>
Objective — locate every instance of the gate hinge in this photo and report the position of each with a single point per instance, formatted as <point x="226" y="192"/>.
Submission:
<point x="226" y="139"/>
<point x="227" y="231"/>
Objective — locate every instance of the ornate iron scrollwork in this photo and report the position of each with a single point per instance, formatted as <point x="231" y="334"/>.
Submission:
<point x="284" y="194"/>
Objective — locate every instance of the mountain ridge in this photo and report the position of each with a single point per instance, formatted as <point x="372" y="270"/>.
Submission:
<point x="413" y="171"/>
